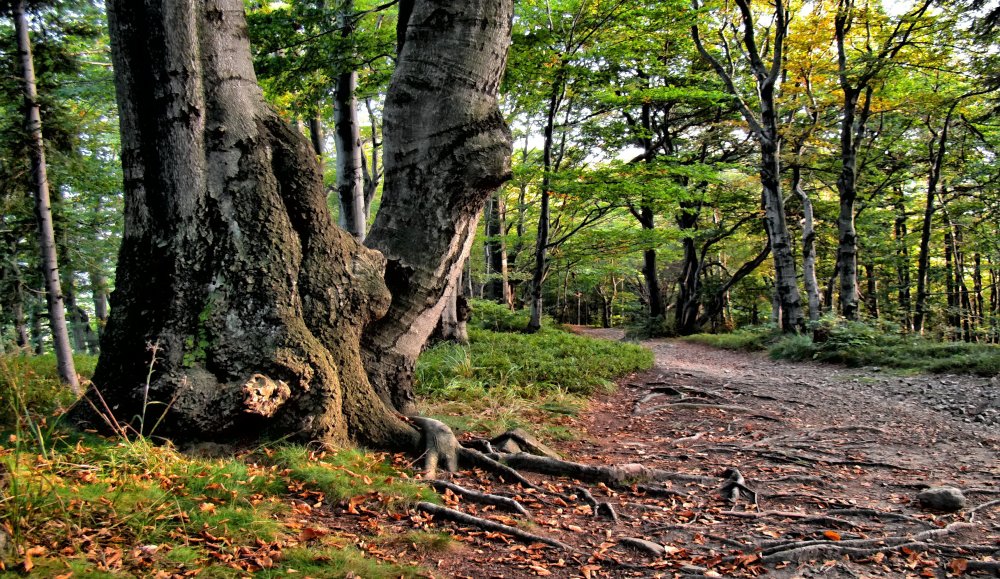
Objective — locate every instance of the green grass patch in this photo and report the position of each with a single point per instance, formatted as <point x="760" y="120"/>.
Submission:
<point x="506" y="379"/>
<point x="107" y="507"/>
<point x="855" y="344"/>
<point x="751" y="339"/>
<point x="32" y="383"/>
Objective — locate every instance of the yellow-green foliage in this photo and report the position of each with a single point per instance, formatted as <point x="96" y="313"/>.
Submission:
<point x="36" y="381"/>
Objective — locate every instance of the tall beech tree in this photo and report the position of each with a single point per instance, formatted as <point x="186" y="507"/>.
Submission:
<point x="859" y="64"/>
<point x="765" y="71"/>
<point x="230" y="263"/>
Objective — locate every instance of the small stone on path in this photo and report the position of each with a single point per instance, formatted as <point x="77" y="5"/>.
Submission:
<point x="947" y="499"/>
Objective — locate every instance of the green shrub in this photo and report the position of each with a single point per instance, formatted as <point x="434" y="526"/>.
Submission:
<point x="490" y="315"/>
<point x="855" y="343"/>
<point x="749" y="339"/>
<point x="796" y="347"/>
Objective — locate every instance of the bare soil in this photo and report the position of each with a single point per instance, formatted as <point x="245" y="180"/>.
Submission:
<point x="835" y="458"/>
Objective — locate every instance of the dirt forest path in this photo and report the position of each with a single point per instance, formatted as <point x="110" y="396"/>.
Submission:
<point x="809" y="438"/>
<point x="834" y="456"/>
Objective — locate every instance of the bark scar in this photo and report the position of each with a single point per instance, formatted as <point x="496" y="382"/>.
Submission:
<point x="264" y="396"/>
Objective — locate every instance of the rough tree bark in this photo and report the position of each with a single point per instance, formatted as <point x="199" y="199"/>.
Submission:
<point x="230" y="263"/>
<point x="853" y="121"/>
<point x="43" y="207"/>
<point x="764" y="125"/>
<point x="447" y="148"/>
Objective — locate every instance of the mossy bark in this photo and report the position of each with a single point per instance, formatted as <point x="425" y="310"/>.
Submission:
<point x="230" y="264"/>
<point x="231" y="270"/>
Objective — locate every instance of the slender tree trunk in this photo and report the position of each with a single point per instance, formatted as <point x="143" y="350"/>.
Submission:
<point x="76" y="323"/>
<point x="43" y="209"/>
<point x="347" y="137"/>
<point x="776" y="225"/>
<point x="99" y="289"/>
<point x="497" y="288"/>
<point x="650" y="272"/>
<point x="453" y="327"/>
<point x="447" y="149"/>
<point x="808" y="246"/>
<point x="977" y="288"/>
<point x="950" y="290"/>
<point x="372" y="173"/>
<point x="936" y="151"/>
<point x="847" y="237"/>
<point x="902" y="261"/>
<point x="20" y="324"/>
<point x="871" y="301"/>
<point x="764" y="126"/>
<point x="317" y="138"/>
<point x="994" y="301"/>
<point x="37" y="331"/>
<point x="540" y="267"/>
<point x="688" y="307"/>
<point x="923" y="259"/>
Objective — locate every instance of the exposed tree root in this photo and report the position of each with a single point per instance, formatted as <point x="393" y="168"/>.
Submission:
<point x="488" y="525"/>
<point x="765" y="514"/>
<point x="476" y="459"/>
<point x="972" y="512"/>
<point x="850" y="428"/>
<point x="648" y="547"/>
<point x="730" y="489"/>
<point x="859" y="512"/>
<point x="518" y="440"/>
<point x="480" y="497"/>
<point x="599" y="508"/>
<point x="609" y="475"/>
<point x="799" y="478"/>
<point x="686" y="439"/>
<point x="678" y="390"/>
<point x="440" y="445"/>
<point x="808" y="550"/>
<point x="786" y="457"/>
<point x="989" y="566"/>
<point x="687" y="404"/>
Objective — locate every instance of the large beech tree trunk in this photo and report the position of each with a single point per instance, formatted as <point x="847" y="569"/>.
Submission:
<point x="43" y="208"/>
<point x="447" y="149"/>
<point x="230" y="263"/>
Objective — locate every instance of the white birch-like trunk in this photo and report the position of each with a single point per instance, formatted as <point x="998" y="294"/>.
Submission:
<point x="43" y="209"/>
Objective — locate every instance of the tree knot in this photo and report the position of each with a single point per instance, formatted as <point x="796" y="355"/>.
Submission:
<point x="263" y="396"/>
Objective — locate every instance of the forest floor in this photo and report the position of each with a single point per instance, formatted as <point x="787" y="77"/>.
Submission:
<point x="835" y="456"/>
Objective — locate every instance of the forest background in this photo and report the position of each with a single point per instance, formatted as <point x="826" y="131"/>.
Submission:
<point x="637" y="191"/>
<point x="827" y="173"/>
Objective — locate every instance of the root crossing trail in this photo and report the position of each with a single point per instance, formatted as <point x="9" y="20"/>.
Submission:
<point x="728" y="464"/>
<point x="834" y="454"/>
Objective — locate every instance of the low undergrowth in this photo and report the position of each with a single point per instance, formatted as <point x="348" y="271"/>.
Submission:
<point x="745" y="339"/>
<point x="80" y="505"/>
<point x="506" y="378"/>
<point x="863" y="344"/>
